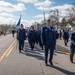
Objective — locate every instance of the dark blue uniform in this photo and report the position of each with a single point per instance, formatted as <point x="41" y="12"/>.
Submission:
<point x="13" y="32"/>
<point x="48" y="37"/>
<point x="65" y="37"/>
<point x="21" y="36"/>
<point x="38" y="38"/>
<point x="31" y="38"/>
<point x="60" y="34"/>
<point x="56" y="35"/>
<point x="72" y="46"/>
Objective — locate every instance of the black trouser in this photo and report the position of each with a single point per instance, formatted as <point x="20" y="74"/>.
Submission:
<point x="72" y="53"/>
<point x="13" y="35"/>
<point x="21" y="45"/>
<point x="55" y="44"/>
<point x="40" y="44"/>
<point x="51" y="54"/>
<point x="32" y="43"/>
<point x="60" y="37"/>
<point x="66" y="41"/>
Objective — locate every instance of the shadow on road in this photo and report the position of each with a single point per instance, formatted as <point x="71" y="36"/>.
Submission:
<point x="64" y="71"/>
<point x="36" y="52"/>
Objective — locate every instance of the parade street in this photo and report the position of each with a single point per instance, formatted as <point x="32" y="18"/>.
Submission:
<point x="31" y="62"/>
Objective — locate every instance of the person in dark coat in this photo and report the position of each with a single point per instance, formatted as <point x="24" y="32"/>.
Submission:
<point x="13" y="32"/>
<point x="21" y="37"/>
<point x="56" y="37"/>
<point x="31" y="37"/>
<point x="48" y="38"/>
<point x="38" y="37"/>
<point x="72" y="46"/>
<point x="66" y="36"/>
<point x="60" y="34"/>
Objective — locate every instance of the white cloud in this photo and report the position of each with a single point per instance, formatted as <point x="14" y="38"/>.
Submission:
<point x="62" y="7"/>
<point x="13" y="21"/>
<point x="41" y="16"/>
<point x="4" y="20"/>
<point x="28" y="1"/>
<point x="46" y="6"/>
<point x="39" y="4"/>
<point x="4" y="14"/>
<point x="45" y="3"/>
<point x="38" y="16"/>
<point x="26" y="23"/>
<point x="43" y="8"/>
<point x="8" y="7"/>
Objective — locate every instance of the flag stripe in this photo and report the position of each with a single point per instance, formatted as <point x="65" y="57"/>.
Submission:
<point x="18" y="24"/>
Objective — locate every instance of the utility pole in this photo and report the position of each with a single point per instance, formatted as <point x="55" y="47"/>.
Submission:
<point x="44" y="17"/>
<point x="52" y="16"/>
<point x="57" y="18"/>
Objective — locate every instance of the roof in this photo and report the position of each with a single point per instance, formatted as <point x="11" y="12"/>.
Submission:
<point x="68" y="25"/>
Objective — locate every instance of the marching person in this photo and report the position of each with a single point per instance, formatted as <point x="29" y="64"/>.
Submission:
<point x="72" y="47"/>
<point x="60" y="34"/>
<point x="21" y="37"/>
<point x="31" y="37"/>
<point x="38" y="37"/>
<point x="56" y="37"/>
<point x="66" y="36"/>
<point x="13" y="32"/>
<point x="48" y="41"/>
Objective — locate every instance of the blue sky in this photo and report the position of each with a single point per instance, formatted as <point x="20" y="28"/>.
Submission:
<point x="31" y="10"/>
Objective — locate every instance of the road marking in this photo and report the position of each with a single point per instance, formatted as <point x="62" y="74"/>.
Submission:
<point x="4" y="54"/>
<point x="68" y="53"/>
<point x="9" y="52"/>
<point x="74" y="57"/>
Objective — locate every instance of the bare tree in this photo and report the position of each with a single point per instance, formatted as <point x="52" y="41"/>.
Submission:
<point x="71" y="14"/>
<point x="55" y="17"/>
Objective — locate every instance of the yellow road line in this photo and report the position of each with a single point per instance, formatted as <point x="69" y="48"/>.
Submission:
<point x="74" y="57"/>
<point x="9" y="52"/>
<point x="67" y="53"/>
<point x="4" y="54"/>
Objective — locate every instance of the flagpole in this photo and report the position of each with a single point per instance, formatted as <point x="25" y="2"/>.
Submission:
<point x="17" y="40"/>
<point x="20" y="16"/>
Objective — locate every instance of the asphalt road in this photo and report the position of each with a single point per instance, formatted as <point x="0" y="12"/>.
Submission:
<point x="31" y="62"/>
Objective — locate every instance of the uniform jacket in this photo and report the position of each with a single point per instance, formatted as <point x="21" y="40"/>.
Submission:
<point x="21" y="34"/>
<point x="32" y="35"/>
<point x="66" y="35"/>
<point x="48" y="36"/>
<point x="38" y="35"/>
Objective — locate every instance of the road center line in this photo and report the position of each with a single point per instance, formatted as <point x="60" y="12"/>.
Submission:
<point x="4" y="54"/>
<point x="9" y="52"/>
